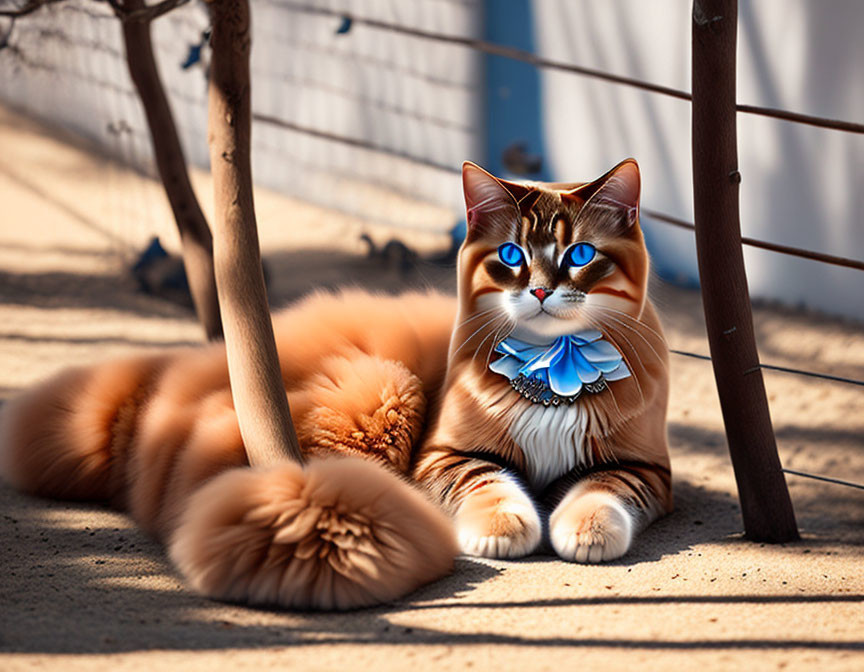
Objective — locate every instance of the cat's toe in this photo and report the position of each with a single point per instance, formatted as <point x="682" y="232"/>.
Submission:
<point x="594" y="527"/>
<point x="498" y="521"/>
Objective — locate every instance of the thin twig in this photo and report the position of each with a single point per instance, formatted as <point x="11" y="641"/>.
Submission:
<point x="28" y="8"/>
<point x="148" y="13"/>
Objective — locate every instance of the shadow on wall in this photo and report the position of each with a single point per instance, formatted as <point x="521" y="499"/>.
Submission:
<point x="802" y="200"/>
<point x="592" y="125"/>
<point x="800" y="184"/>
<point x="414" y="99"/>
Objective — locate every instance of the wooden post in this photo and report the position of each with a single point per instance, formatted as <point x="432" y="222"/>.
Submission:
<point x="194" y="232"/>
<point x="253" y="365"/>
<point x="765" y="504"/>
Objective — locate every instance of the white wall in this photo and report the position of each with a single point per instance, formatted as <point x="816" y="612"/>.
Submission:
<point x="802" y="186"/>
<point x="410" y="97"/>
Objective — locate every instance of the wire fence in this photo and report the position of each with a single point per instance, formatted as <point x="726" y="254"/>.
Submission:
<point x="485" y="47"/>
<point x="360" y="88"/>
<point x="493" y="49"/>
<point x="531" y="59"/>
<point x="438" y="80"/>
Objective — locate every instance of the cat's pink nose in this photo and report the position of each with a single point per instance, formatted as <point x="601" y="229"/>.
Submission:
<point x="541" y="293"/>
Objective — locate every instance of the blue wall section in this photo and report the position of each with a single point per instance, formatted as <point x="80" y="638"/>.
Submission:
<point x="513" y="99"/>
<point x="513" y="96"/>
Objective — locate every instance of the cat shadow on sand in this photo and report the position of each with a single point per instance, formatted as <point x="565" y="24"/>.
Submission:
<point x="126" y="597"/>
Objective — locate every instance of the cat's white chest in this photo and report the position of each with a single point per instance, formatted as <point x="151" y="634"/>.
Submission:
<point x="552" y="439"/>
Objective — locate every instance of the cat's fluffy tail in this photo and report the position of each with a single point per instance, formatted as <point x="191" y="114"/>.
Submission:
<point x="61" y="437"/>
<point x="340" y="533"/>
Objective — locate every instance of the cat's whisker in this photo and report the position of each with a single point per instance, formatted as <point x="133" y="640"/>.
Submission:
<point x="633" y="320"/>
<point x="491" y="334"/>
<point x="476" y="331"/>
<point x="476" y="316"/>
<point x="603" y="317"/>
<point x="660" y="359"/>
<point x="615" y="401"/>
<point x="627" y="360"/>
<point x="500" y="336"/>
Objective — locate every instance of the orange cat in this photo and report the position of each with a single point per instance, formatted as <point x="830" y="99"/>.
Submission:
<point x="549" y="393"/>
<point x="557" y="385"/>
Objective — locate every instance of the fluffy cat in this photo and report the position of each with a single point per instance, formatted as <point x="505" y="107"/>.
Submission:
<point x="387" y="393"/>
<point x="542" y="262"/>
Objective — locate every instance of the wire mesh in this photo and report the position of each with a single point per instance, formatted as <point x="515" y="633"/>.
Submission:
<point x="359" y="112"/>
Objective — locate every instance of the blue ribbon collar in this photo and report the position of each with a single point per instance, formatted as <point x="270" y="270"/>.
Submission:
<point x="561" y="371"/>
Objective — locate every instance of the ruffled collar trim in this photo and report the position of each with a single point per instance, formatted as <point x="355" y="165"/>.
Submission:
<point x="561" y="371"/>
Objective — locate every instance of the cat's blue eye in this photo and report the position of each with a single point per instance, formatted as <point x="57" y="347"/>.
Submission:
<point x="579" y="254"/>
<point x="511" y="254"/>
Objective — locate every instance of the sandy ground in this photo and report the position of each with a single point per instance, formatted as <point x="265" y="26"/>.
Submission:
<point x="82" y="588"/>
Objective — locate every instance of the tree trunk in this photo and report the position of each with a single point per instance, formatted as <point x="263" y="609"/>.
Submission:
<point x="765" y="504"/>
<point x="253" y="365"/>
<point x="194" y="232"/>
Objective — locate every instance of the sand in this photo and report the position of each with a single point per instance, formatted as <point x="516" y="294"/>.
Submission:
<point x="82" y="589"/>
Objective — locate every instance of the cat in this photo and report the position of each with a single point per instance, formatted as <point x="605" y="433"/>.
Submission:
<point x="540" y="263"/>
<point x="425" y="432"/>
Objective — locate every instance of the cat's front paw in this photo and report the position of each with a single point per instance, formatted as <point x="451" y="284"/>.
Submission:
<point x="498" y="520"/>
<point x="590" y="528"/>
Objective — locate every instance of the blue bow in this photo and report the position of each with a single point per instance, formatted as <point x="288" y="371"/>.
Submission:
<point x="562" y="370"/>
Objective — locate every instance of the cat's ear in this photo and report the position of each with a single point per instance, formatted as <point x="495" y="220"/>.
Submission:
<point x="616" y="194"/>
<point x="490" y="205"/>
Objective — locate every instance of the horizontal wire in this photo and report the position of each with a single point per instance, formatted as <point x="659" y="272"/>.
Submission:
<point x="812" y="374"/>
<point x="798" y="118"/>
<point x="354" y="142"/>
<point x="653" y="214"/>
<point x="783" y="369"/>
<point x="353" y="97"/>
<point x="527" y="57"/>
<point x="690" y="354"/>
<point x="832" y="259"/>
<point x="827" y="479"/>
<point x="807" y="373"/>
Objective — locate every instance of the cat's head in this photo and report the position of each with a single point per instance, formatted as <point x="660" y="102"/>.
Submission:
<point x="553" y="259"/>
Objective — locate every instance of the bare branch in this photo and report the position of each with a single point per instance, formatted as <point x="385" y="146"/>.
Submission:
<point x="148" y="13"/>
<point x="257" y="386"/>
<point x="117" y="7"/>
<point x="4" y="41"/>
<point x="27" y="8"/>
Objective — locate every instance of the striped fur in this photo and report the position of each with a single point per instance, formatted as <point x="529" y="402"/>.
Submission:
<point x="601" y="466"/>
